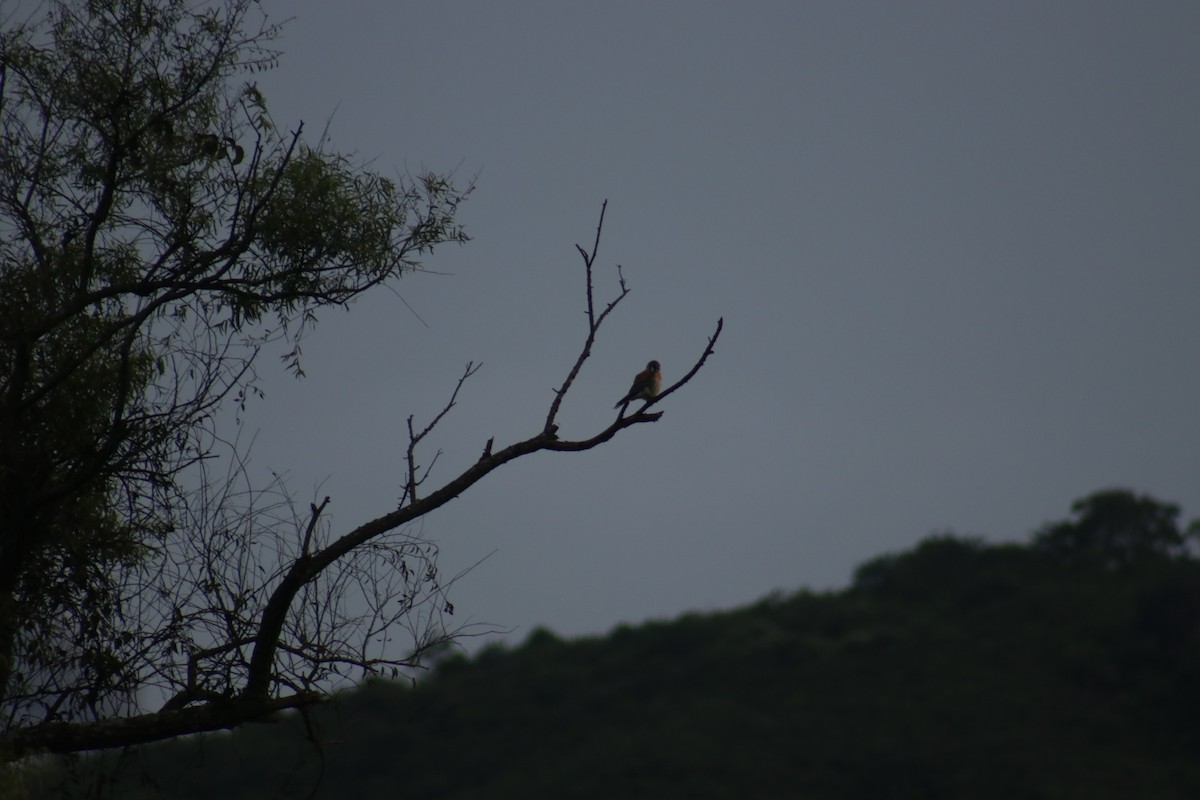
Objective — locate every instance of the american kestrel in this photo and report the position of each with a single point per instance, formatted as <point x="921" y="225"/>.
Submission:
<point x="645" y="385"/>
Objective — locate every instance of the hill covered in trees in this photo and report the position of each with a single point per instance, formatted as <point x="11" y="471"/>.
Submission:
<point x="1065" y="667"/>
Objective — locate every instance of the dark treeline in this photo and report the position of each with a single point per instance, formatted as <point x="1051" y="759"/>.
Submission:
<point x="1066" y="667"/>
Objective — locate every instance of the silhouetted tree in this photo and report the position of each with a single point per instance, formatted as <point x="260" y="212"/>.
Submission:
<point x="1116" y="529"/>
<point x="156" y="231"/>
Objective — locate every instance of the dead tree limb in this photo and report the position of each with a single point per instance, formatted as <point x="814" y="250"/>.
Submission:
<point x="594" y="322"/>
<point x="266" y="688"/>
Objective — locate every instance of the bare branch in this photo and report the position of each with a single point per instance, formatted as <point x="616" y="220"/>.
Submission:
<point x="66" y="737"/>
<point x="594" y="322"/>
<point x="303" y="571"/>
<point x="708" y="351"/>
<point x="312" y="525"/>
<point x="410" y="488"/>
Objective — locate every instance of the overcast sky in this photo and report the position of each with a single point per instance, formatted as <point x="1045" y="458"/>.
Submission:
<point x="955" y="246"/>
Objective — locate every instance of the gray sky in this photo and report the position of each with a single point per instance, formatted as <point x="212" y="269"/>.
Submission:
<point x="955" y="245"/>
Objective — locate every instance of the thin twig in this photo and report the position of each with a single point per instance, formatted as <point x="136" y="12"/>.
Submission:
<point x="594" y="322"/>
<point x="708" y="351"/>
<point x="312" y="525"/>
<point x="410" y="490"/>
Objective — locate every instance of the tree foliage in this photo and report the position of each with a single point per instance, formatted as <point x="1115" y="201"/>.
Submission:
<point x="157" y="230"/>
<point x="1117" y="529"/>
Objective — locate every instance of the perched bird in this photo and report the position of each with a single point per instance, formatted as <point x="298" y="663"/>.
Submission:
<point x="645" y="385"/>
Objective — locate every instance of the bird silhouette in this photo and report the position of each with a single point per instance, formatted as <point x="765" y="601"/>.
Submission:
<point x="645" y="385"/>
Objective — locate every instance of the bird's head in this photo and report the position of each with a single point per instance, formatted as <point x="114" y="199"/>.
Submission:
<point x="653" y="366"/>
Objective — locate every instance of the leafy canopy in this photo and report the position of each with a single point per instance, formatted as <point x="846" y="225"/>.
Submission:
<point x="156" y="230"/>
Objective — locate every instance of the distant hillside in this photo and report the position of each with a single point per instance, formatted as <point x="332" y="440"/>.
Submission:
<point x="1065" y="668"/>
